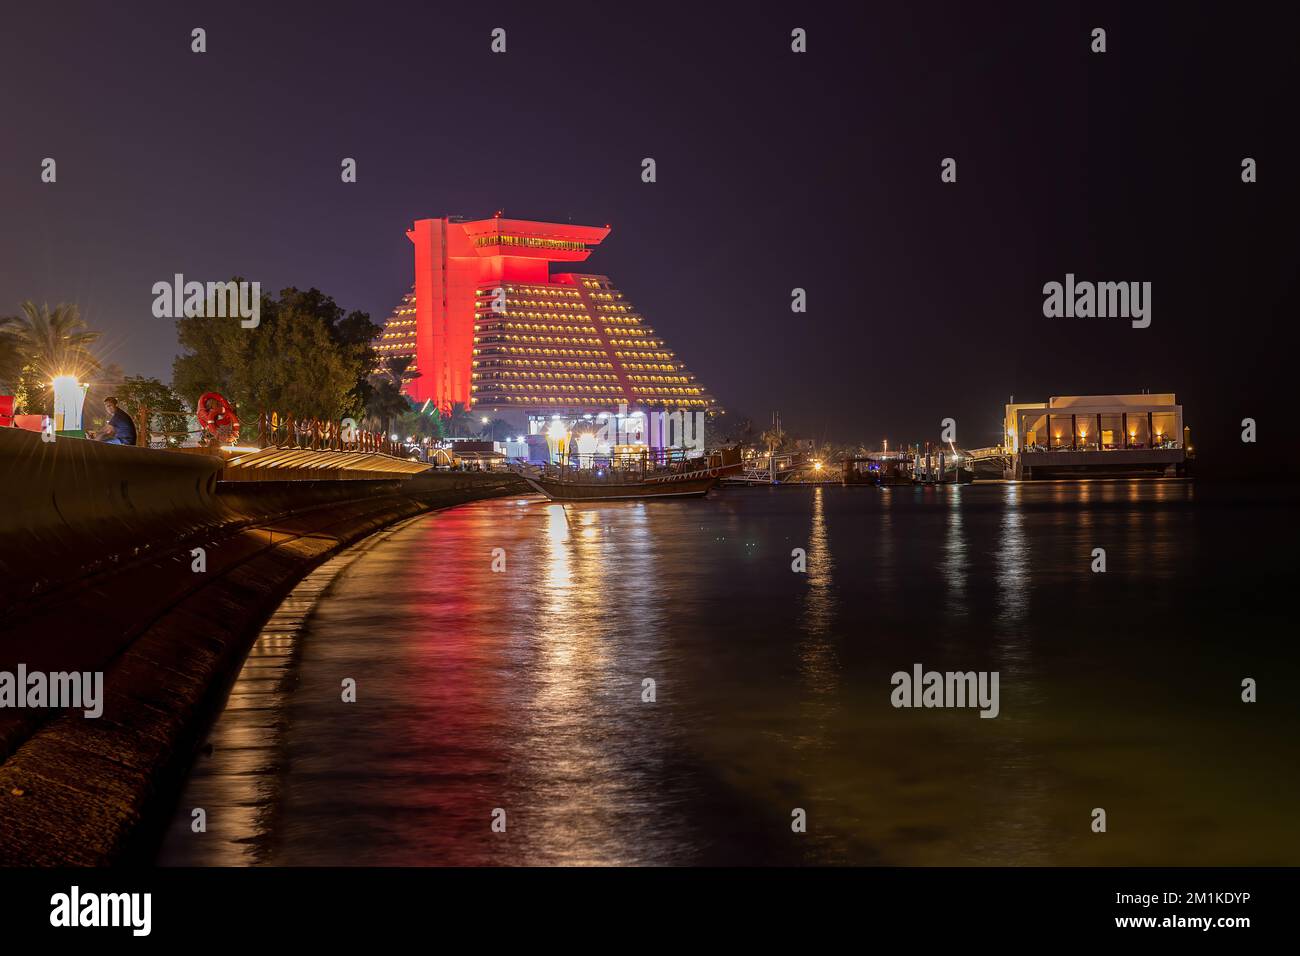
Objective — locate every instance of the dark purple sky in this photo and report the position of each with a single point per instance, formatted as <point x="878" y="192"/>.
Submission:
<point x="775" y="170"/>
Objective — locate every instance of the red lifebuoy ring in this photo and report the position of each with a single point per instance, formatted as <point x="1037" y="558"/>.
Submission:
<point x="220" y="416"/>
<point x="713" y="472"/>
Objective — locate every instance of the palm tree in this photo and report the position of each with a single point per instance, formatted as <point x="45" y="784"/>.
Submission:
<point x="386" y="399"/>
<point x="745" y="433"/>
<point x="774" y="438"/>
<point x="11" y="357"/>
<point x="48" y="343"/>
<point x="459" y="420"/>
<point x="398" y="369"/>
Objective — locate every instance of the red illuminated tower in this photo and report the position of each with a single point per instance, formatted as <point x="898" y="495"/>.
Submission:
<point x="486" y="324"/>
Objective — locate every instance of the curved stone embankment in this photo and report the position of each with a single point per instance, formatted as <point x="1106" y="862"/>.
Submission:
<point x="75" y="790"/>
<point x="75" y="507"/>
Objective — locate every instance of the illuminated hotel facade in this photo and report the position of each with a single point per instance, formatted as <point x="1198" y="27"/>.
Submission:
<point x="487" y="324"/>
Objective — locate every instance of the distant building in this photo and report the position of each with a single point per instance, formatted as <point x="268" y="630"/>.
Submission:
<point x="487" y="325"/>
<point x="1073" y="436"/>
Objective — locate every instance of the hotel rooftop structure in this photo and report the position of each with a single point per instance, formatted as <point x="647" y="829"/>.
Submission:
<point x="487" y="324"/>
<point x="1099" y="436"/>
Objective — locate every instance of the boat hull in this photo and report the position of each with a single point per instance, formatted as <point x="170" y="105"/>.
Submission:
<point x="685" y="487"/>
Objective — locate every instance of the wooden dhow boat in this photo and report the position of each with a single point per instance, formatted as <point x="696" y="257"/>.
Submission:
<point x="662" y="474"/>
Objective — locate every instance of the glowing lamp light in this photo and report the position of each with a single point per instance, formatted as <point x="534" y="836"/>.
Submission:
<point x="69" y="395"/>
<point x="484" y="419"/>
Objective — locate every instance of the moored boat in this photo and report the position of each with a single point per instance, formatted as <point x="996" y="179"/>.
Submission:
<point x="668" y="475"/>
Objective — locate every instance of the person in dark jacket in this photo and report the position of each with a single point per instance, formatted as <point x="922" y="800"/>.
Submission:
<point x="119" y="429"/>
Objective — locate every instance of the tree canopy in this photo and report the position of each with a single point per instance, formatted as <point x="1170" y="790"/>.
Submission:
<point x="305" y="357"/>
<point x="166" y="411"/>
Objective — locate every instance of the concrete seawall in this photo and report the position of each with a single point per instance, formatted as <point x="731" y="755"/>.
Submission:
<point x="124" y="599"/>
<point x="76" y="507"/>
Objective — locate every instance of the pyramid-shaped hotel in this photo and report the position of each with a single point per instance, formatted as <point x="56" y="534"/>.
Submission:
<point x="488" y="325"/>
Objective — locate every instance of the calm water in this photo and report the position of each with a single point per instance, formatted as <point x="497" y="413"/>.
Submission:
<point x="522" y="690"/>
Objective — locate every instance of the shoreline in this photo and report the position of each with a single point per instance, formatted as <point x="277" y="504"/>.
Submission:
<point x="76" y="791"/>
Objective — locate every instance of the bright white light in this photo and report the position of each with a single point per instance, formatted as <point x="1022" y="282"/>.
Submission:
<point x="394" y="438"/>
<point x="69" y="394"/>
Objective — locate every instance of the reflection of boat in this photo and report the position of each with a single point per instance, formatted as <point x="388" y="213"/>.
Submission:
<point x="649" y="475"/>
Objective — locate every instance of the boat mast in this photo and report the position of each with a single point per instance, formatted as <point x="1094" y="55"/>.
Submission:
<point x="771" y="449"/>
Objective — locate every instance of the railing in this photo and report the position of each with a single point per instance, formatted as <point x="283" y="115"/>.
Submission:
<point x="1084" y="444"/>
<point x="145" y="433"/>
<point x="318" y="434"/>
<point x="278" y="431"/>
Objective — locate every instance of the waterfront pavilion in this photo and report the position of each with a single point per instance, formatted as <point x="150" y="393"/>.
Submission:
<point x="1095" y="436"/>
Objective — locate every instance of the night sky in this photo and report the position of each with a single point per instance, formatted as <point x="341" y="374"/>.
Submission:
<point x="775" y="170"/>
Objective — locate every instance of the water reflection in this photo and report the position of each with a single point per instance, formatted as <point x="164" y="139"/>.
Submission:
<point x="1013" y="564"/>
<point x="817" y="654"/>
<point x="955" y="558"/>
<point x="525" y="689"/>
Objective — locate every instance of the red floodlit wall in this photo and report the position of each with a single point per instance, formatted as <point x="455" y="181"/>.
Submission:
<point x="453" y="260"/>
